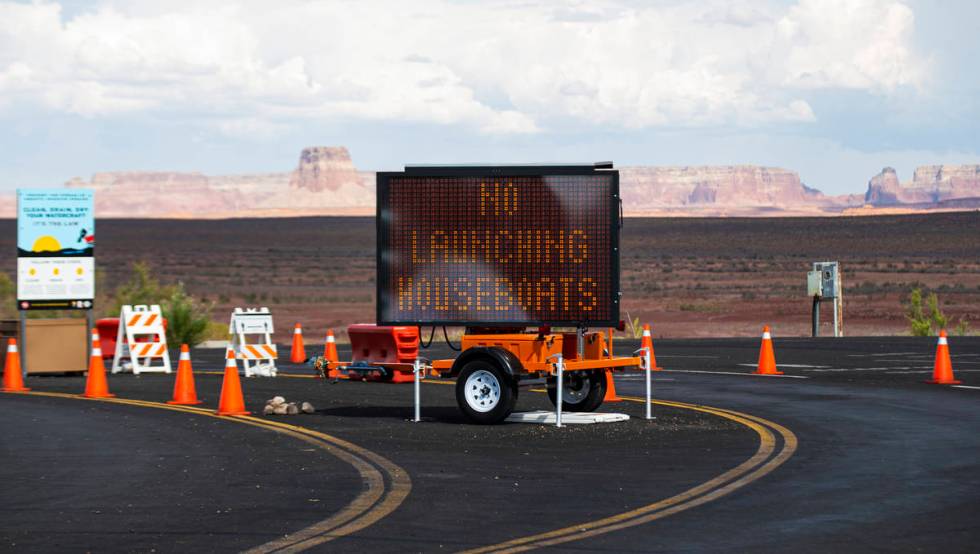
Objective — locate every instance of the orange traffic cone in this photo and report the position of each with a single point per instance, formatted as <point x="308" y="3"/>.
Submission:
<point x="610" y="395"/>
<point x="96" y="385"/>
<point x="184" y="391"/>
<point x="767" y="357"/>
<point x="647" y="342"/>
<point x="942" y="373"/>
<point x="13" y="378"/>
<point x="232" y="402"/>
<point x="298" y="354"/>
<point x="330" y="355"/>
<point x="610" y="388"/>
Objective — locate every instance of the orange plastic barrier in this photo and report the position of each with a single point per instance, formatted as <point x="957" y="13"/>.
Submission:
<point x="383" y="344"/>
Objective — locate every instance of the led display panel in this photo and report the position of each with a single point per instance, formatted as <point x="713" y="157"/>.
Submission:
<point x="500" y="246"/>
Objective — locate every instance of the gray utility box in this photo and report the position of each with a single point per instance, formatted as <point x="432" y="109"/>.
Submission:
<point x="823" y="281"/>
<point x="814" y="283"/>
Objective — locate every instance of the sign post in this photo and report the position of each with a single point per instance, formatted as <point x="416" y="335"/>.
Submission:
<point x="55" y="253"/>
<point x="824" y="283"/>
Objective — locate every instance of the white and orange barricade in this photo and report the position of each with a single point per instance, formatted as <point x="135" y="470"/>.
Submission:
<point x="259" y="354"/>
<point x="143" y="338"/>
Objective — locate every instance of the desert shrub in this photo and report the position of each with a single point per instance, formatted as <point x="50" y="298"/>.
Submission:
<point x="8" y="292"/>
<point x="635" y="328"/>
<point x="141" y="288"/>
<point x="188" y="319"/>
<point x="962" y="327"/>
<point x="699" y="308"/>
<point x="929" y="319"/>
<point x="217" y="331"/>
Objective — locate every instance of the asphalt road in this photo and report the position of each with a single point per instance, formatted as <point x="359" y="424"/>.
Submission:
<point x="881" y="461"/>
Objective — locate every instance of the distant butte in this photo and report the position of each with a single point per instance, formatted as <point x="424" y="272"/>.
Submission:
<point x="326" y="182"/>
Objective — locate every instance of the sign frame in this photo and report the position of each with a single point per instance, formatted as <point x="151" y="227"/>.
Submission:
<point x="382" y="223"/>
<point x="64" y="259"/>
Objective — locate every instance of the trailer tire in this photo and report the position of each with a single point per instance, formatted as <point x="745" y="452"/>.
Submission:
<point x="584" y="390"/>
<point x="485" y="393"/>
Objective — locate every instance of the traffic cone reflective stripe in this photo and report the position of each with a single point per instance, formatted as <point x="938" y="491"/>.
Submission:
<point x="96" y="385"/>
<point x="13" y="378"/>
<point x="942" y="373"/>
<point x="298" y="353"/>
<point x="185" y="393"/>
<point x="232" y="402"/>
<point x="647" y="342"/>
<point x="330" y="355"/>
<point x="767" y="357"/>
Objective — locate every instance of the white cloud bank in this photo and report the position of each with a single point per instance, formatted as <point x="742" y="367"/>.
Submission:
<point x="499" y="67"/>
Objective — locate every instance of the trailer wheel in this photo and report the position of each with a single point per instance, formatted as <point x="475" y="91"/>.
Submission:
<point x="485" y="393"/>
<point x="583" y="390"/>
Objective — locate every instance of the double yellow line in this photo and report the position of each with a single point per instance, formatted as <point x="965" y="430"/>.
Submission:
<point x="760" y="464"/>
<point x="386" y="485"/>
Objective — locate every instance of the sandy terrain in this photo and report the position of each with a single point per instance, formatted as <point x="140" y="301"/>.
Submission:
<point x="688" y="277"/>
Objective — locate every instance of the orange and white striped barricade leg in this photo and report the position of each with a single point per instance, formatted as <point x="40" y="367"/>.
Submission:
<point x="143" y="339"/>
<point x="258" y="355"/>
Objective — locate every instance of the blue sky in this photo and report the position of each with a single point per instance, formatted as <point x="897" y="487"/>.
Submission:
<point x="832" y="89"/>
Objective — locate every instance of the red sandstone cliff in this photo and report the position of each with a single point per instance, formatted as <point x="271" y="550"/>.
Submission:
<point x="719" y="190"/>
<point x="326" y="182"/>
<point x="930" y="185"/>
<point x="324" y="168"/>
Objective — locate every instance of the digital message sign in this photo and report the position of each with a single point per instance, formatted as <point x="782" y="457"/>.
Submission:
<point x="498" y="246"/>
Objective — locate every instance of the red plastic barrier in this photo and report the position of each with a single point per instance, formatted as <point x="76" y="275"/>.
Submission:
<point x="108" y="328"/>
<point x="377" y="344"/>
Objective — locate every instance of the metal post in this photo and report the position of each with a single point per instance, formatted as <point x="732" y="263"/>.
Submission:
<point x="647" y="362"/>
<point x="816" y="316"/>
<point x="22" y="340"/>
<point x="649" y="365"/>
<point x="560" y="366"/>
<point x="839" y="304"/>
<point x="836" y="324"/>
<point x="417" y="370"/>
<point x="89" y="325"/>
<point x="839" y="319"/>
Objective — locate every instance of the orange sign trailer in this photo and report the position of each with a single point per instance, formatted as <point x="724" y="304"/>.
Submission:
<point x="500" y="250"/>
<point x="491" y="366"/>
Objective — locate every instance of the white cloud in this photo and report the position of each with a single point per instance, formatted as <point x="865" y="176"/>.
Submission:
<point x="498" y="67"/>
<point x="842" y="43"/>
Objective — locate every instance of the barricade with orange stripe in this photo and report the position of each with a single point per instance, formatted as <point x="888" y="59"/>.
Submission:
<point x="143" y="339"/>
<point x="258" y="356"/>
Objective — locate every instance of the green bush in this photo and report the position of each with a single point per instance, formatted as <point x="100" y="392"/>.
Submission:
<point x="8" y="300"/>
<point x="928" y="320"/>
<point x="635" y="328"/>
<point x="141" y="288"/>
<point x="188" y="319"/>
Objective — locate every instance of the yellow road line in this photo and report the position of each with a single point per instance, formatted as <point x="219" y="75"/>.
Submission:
<point x="759" y="465"/>
<point x="370" y="506"/>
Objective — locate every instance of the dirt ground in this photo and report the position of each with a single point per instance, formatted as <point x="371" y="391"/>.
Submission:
<point x="689" y="277"/>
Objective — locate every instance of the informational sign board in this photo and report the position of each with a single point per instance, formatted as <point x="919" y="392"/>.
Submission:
<point x="55" y="249"/>
<point x="498" y="246"/>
